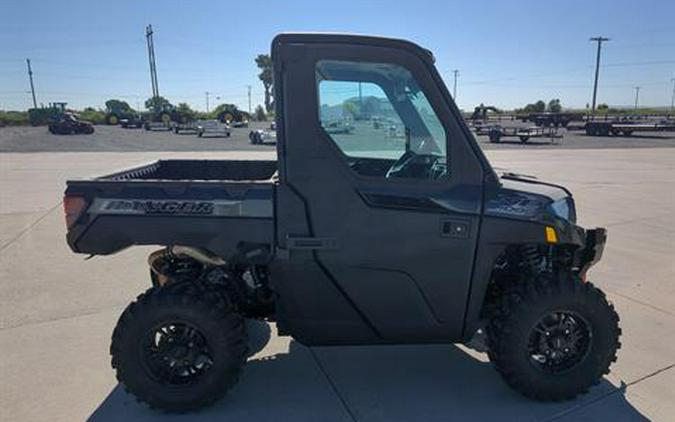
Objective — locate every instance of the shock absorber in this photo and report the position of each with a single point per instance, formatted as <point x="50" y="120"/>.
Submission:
<point x="532" y="258"/>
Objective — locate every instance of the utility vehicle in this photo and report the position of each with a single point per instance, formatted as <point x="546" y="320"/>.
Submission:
<point x="349" y="239"/>
<point x="69" y="123"/>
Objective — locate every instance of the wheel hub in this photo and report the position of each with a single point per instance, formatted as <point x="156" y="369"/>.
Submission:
<point x="559" y="341"/>
<point x="176" y="353"/>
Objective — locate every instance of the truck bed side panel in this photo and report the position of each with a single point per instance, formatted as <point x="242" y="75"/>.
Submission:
<point x="212" y="215"/>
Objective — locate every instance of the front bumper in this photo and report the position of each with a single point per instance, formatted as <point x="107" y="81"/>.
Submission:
<point x="591" y="253"/>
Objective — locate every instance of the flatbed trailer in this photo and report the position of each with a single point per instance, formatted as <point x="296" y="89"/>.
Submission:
<point x="496" y="133"/>
<point x="158" y="126"/>
<point x="607" y="128"/>
<point x="189" y="127"/>
<point x="547" y="119"/>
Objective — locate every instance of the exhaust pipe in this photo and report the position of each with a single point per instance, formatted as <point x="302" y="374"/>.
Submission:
<point x="206" y="258"/>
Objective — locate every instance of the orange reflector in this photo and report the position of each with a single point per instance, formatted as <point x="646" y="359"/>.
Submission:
<point x="551" y="236"/>
<point x="73" y="206"/>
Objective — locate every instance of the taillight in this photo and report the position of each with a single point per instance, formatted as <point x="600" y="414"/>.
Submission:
<point x="73" y="206"/>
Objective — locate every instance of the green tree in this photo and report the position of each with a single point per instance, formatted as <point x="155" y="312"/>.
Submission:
<point x="228" y="112"/>
<point x="264" y="63"/>
<point x="90" y="114"/>
<point x="349" y="108"/>
<point x="554" y="105"/>
<point x="260" y="113"/>
<point x="537" y="107"/>
<point x="185" y="112"/>
<point x="157" y="104"/>
<point x="603" y="106"/>
<point x="114" y="105"/>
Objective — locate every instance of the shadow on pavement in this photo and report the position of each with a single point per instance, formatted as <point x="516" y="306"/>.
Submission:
<point x="378" y="383"/>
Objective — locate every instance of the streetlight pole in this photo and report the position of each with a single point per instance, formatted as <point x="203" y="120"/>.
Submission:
<point x="32" y="87"/>
<point x="249" y="99"/>
<point x="454" y="85"/>
<point x="637" y="93"/>
<point x="672" y="99"/>
<point x="599" y="40"/>
<point x="207" y="101"/>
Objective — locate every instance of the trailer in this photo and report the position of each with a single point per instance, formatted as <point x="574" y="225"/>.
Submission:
<point x="548" y="119"/>
<point x="496" y="133"/>
<point x="157" y="126"/>
<point x="189" y="127"/>
<point x="626" y="128"/>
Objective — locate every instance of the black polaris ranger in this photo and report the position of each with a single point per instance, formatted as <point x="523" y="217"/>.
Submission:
<point x="393" y="233"/>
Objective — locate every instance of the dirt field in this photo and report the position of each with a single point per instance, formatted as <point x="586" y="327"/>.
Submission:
<point x="116" y="139"/>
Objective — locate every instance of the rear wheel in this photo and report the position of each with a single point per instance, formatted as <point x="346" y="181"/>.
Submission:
<point x="179" y="347"/>
<point x="554" y="337"/>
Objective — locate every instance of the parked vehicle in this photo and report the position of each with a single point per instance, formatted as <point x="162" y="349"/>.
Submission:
<point x="260" y="136"/>
<point x="132" y="121"/>
<point x="338" y="126"/>
<point x="161" y="125"/>
<point x="626" y="127"/>
<point x="213" y="127"/>
<point x="349" y="240"/>
<point x="45" y="115"/>
<point x="68" y="124"/>
<point x="551" y="119"/>
<point x="115" y="115"/>
<point x="497" y="132"/>
<point x="190" y="127"/>
<point x="240" y="124"/>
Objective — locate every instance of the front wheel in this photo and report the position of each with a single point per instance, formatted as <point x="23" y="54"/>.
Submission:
<point x="179" y="347"/>
<point x="554" y="337"/>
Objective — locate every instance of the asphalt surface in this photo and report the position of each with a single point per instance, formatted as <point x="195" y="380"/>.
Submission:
<point x="57" y="311"/>
<point x="114" y="138"/>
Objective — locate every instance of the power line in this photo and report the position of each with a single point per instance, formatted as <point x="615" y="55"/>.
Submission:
<point x="599" y="40"/>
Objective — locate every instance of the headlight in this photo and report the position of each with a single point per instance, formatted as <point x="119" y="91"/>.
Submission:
<point x="564" y="208"/>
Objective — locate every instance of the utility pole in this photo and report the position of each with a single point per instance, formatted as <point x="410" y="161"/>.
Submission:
<point x="599" y="40"/>
<point x="207" y="101"/>
<point x="249" y="99"/>
<point x="454" y="86"/>
<point x="672" y="99"/>
<point x="32" y="87"/>
<point x="637" y="93"/>
<point x="151" y="58"/>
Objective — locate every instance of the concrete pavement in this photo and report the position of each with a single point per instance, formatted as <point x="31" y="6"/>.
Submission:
<point x="57" y="312"/>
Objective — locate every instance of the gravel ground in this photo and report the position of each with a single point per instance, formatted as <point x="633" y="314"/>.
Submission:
<point x="108" y="138"/>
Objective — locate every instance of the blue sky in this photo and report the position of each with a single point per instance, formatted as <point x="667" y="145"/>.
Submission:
<point x="507" y="53"/>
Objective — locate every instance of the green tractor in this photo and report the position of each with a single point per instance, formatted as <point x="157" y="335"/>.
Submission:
<point x="43" y="115"/>
<point x="117" y="110"/>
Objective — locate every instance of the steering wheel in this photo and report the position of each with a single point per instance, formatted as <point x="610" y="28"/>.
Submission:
<point x="398" y="169"/>
<point x="418" y="166"/>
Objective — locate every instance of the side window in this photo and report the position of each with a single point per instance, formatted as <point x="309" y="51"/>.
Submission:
<point x="380" y="119"/>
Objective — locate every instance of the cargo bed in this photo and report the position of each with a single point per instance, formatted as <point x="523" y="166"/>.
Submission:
<point x="212" y="204"/>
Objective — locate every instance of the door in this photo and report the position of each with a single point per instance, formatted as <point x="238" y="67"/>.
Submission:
<point x="380" y="194"/>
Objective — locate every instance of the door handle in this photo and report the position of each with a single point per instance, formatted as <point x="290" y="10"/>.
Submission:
<point x="458" y="229"/>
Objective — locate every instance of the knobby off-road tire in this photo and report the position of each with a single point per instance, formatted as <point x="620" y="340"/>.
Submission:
<point x="520" y="347"/>
<point x="179" y="347"/>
